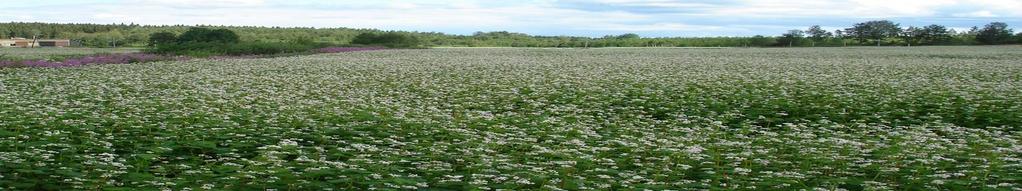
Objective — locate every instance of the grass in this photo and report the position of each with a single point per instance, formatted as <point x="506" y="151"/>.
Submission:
<point x="523" y="119"/>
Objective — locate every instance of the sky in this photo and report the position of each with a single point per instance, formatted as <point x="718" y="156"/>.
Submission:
<point x="594" y="18"/>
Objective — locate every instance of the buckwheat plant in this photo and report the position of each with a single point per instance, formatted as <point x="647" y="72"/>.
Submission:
<point x="920" y="118"/>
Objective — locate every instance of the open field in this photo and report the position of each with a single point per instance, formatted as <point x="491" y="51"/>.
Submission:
<point x="928" y="118"/>
<point x="49" y="53"/>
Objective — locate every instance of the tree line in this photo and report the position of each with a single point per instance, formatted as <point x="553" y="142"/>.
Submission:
<point x="870" y="33"/>
<point x="204" y="42"/>
<point x="885" y="32"/>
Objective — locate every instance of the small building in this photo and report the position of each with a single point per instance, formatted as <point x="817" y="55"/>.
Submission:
<point x="29" y="43"/>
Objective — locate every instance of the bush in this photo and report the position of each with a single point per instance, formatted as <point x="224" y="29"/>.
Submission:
<point x="162" y="38"/>
<point x="389" y="39"/>
<point x="198" y="49"/>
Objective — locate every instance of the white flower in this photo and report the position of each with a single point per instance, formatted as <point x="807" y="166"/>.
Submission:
<point x="695" y="149"/>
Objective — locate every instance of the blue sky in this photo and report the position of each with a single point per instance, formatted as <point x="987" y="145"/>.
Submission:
<point x="651" y="18"/>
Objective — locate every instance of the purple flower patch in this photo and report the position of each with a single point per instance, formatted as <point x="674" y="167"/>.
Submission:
<point x="125" y="58"/>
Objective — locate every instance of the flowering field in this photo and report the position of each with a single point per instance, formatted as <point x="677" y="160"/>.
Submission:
<point x="929" y="118"/>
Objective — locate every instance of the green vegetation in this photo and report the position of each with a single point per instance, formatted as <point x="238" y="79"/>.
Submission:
<point x="871" y="33"/>
<point x="921" y="118"/>
<point x="884" y="32"/>
<point x="995" y="33"/>
<point x="203" y="42"/>
<point x="874" y="31"/>
<point x="389" y="39"/>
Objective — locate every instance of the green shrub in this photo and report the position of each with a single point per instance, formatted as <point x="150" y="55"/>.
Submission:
<point x="198" y="34"/>
<point x="389" y="39"/>
<point x="162" y="38"/>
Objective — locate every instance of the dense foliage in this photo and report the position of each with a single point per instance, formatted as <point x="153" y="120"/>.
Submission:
<point x="926" y="118"/>
<point x="162" y="38"/>
<point x="885" y="32"/>
<point x="203" y="42"/>
<point x="867" y="33"/>
<point x="205" y="35"/>
<point x="995" y="33"/>
<point x="389" y="39"/>
<point x="928" y="35"/>
<point x="874" y="31"/>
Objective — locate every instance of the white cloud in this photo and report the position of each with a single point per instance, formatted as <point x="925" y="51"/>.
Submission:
<point x="900" y="8"/>
<point x="982" y="14"/>
<point x="1004" y="7"/>
<point x="850" y="8"/>
<point x="201" y="3"/>
<point x="818" y="8"/>
<point x="109" y="16"/>
<point x="656" y="3"/>
<point x="657" y="27"/>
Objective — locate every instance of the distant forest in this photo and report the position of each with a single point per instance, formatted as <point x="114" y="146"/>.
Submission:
<point x="871" y="33"/>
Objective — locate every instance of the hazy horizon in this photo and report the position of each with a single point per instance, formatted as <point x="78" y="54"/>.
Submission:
<point x="649" y="18"/>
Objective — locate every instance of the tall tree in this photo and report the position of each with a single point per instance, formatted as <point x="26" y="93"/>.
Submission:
<point x="841" y="35"/>
<point x="792" y="37"/>
<point x="935" y="34"/>
<point x="995" y="33"/>
<point x="629" y="36"/>
<point x="35" y="34"/>
<point x="874" y="30"/>
<point x="912" y="35"/>
<point x="817" y="34"/>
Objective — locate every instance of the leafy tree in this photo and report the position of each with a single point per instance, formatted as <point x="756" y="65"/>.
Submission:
<point x="817" y="34"/>
<point x="935" y="34"/>
<point x="840" y="36"/>
<point x="792" y="37"/>
<point x="966" y="37"/>
<point x="874" y="30"/>
<point x="912" y="35"/>
<point x="161" y="38"/>
<point x="35" y="33"/>
<point x="629" y="36"/>
<point x="994" y="33"/>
